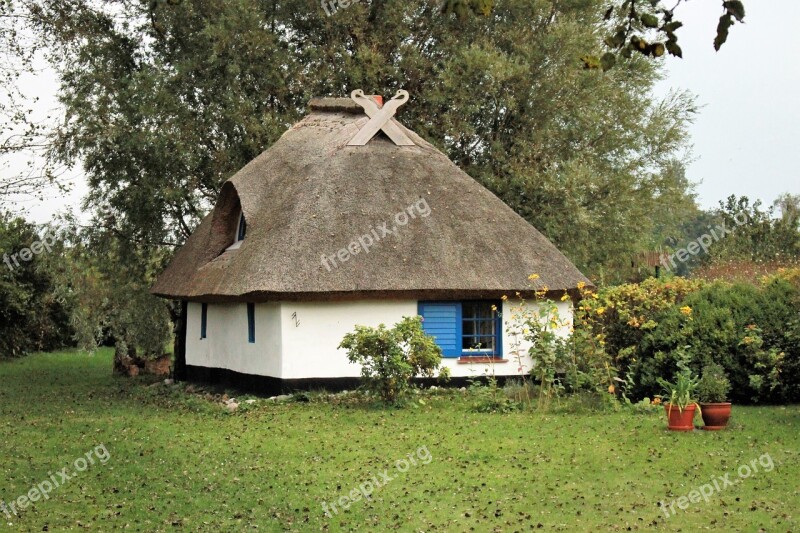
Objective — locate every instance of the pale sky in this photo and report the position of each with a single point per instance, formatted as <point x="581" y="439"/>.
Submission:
<point x="745" y="136"/>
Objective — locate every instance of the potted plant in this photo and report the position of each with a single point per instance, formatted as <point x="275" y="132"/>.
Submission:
<point x="680" y="403"/>
<point x="713" y="394"/>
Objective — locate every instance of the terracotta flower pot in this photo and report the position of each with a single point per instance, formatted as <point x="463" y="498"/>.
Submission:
<point x="680" y="420"/>
<point x="715" y="415"/>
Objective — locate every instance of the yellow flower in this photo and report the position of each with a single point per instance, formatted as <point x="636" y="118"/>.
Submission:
<point x="595" y="296"/>
<point x="686" y="310"/>
<point x="611" y="389"/>
<point x="533" y="277"/>
<point x="565" y="297"/>
<point x="656" y="401"/>
<point x="581" y="284"/>
<point x="601" y="310"/>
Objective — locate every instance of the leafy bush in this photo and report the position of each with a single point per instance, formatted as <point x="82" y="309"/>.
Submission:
<point x="623" y="315"/>
<point x="390" y="358"/>
<point x="714" y="384"/>
<point x="31" y="317"/>
<point x="750" y="329"/>
<point x="490" y="398"/>
<point x="561" y="364"/>
<point x="719" y="323"/>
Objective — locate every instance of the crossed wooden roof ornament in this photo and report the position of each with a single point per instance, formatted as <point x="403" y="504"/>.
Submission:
<point x="380" y="119"/>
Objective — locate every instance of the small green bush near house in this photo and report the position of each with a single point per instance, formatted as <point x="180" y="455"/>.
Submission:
<point x="390" y="358"/>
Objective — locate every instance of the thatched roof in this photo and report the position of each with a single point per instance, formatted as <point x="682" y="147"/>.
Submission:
<point x="310" y="194"/>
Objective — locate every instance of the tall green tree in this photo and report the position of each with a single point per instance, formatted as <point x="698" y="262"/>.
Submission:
<point x="32" y="317"/>
<point x="758" y="234"/>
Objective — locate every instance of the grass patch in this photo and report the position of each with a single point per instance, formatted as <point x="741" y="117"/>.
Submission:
<point x="179" y="459"/>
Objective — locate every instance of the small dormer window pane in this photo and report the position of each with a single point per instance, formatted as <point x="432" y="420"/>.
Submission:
<point x="242" y="229"/>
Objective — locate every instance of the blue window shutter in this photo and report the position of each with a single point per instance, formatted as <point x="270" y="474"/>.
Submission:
<point x="251" y="323"/>
<point x="203" y="320"/>
<point x="442" y="320"/>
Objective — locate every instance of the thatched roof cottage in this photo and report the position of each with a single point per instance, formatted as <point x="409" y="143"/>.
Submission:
<point x="351" y="220"/>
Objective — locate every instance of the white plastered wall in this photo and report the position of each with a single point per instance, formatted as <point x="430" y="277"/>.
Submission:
<point x="310" y="348"/>
<point x="296" y="340"/>
<point x="312" y="331"/>
<point x="226" y="344"/>
<point x="515" y="348"/>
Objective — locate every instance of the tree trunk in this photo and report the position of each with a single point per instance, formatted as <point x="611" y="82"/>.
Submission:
<point x="179" y="371"/>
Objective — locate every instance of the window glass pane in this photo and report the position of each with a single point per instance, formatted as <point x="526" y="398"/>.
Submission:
<point x="486" y="327"/>
<point x="242" y="228"/>
<point x="468" y="343"/>
<point x="469" y="328"/>
<point x="468" y="310"/>
<point x="487" y="343"/>
<point x="251" y="322"/>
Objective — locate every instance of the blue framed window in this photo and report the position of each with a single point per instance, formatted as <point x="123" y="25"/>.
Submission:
<point x="203" y="321"/>
<point x="464" y="329"/>
<point x="251" y="323"/>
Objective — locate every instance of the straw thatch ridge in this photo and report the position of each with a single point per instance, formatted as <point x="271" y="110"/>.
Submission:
<point x="310" y="194"/>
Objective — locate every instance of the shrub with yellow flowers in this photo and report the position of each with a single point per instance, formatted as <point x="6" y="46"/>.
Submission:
<point x="565" y="359"/>
<point x="621" y="340"/>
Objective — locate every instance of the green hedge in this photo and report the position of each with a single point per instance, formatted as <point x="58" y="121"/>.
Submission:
<point x="751" y="329"/>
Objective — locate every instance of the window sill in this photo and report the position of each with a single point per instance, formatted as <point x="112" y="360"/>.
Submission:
<point x="480" y="360"/>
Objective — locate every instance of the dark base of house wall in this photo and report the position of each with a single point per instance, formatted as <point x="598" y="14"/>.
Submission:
<point x="269" y="386"/>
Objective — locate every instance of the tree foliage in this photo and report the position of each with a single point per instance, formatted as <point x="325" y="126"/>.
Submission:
<point x="105" y="280"/>
<point x="764" y="236"/>
<point x="32" y="317"/>
<point x="23" y="134"/>
<point x="646" y="27"/>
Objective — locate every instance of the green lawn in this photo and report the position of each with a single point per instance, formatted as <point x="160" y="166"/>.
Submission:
<point x="178" y="461"/>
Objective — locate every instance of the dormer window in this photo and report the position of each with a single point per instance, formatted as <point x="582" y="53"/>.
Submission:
<point x="241" y="231"/>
